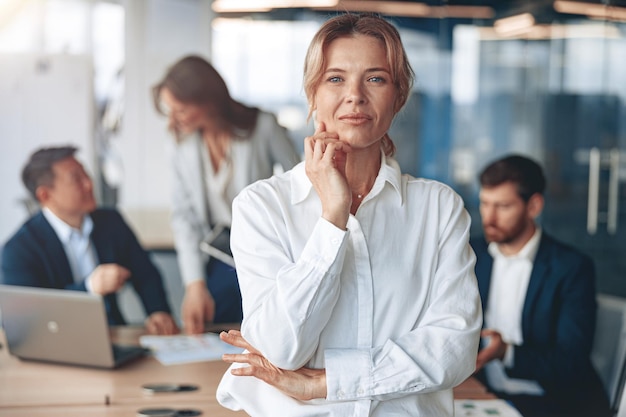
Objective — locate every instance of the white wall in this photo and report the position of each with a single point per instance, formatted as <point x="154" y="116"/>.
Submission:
<point x="44" y="100"/>
<point x="159" y="32"/>
<point x="51" y="101"/>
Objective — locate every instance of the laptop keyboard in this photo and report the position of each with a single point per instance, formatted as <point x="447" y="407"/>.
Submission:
<point x="121" y="352"/>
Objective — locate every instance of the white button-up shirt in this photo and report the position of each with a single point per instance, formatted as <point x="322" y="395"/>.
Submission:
<point x="77" y="245"/>
<point x="218" y="190"/>
<point x="390" y="307"/>
<point x="510" y="276"/>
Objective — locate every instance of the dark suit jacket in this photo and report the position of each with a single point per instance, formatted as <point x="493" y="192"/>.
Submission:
<point x="558" y="322"/>
<point x="35" y="257"/>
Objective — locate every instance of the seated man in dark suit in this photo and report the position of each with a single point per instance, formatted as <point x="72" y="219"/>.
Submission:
<point x="538" y="299"/>
<point x="73" y="245"/>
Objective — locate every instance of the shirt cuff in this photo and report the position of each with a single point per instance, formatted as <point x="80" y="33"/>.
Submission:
<point x="88" y="284"/>
<point x="323" y="248"/>
<point x="509" y="356"/>
<point x="348" y="373"/>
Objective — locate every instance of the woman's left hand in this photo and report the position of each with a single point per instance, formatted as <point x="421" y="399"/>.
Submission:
<point x="325" y="165"/>
<point x="302" y="384"/>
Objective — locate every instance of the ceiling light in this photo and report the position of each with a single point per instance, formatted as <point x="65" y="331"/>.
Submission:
<point x="231" y="6"/>
<point x="412" y="9"/>
<point x="222" y="6"/>
<point x="389" y="8"/>
<point x="591" y="10"/>
<point x="555" y="31"/>
<point x="514" y="24"/>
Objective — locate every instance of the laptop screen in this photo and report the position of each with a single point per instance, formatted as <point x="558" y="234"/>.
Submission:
<point x="56" y="326"/>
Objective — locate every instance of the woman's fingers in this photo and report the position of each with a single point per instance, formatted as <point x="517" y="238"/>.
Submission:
<point x="324" y="145"/>
<point x="234" y="338"/>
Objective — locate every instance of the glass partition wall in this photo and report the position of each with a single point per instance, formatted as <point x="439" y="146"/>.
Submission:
<point x="555" y="91"/>
<point x="557" y="94"/>
<point x="549" y="85"/>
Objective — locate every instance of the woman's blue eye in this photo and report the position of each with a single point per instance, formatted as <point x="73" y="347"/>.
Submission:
<point x="334" y="79"/>
<point x="377" y="79"/>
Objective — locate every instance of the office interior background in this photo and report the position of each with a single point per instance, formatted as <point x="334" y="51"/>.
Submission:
<point x="543" y="78"/>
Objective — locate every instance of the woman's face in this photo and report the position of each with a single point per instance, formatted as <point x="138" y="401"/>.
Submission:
<point x="356" y="97"/>
<point x="186" y="117"/>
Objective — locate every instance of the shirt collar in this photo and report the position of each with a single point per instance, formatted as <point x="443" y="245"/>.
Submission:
<point x="528" y="252"/>
<point x="389" y="172"/>
<point x="64" y="230"/>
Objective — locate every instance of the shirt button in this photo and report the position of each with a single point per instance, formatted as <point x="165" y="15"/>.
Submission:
<point x="360" y="391"/>
<point x="334" y="241"/>
<point x="340" y="394"/>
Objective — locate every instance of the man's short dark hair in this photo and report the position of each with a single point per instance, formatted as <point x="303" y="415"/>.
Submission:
<point x="525" y="173"/>
<point x="38" y="169"/>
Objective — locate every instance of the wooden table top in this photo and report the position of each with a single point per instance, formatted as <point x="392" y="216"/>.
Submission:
<point x="30" y="388"/>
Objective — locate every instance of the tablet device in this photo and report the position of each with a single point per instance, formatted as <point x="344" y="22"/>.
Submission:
<point x="217" y="244"/>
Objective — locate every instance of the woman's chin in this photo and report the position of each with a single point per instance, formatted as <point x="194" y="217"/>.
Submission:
<point x="186" y="130"/>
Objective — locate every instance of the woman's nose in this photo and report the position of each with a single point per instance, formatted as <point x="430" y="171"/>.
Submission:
<point x="355" y="93"/>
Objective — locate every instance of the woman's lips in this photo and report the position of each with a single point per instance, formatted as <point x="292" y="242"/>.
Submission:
<point x="355" y="118"/>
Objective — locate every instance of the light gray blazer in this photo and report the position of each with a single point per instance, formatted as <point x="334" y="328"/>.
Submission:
<point x="253" y="159"/>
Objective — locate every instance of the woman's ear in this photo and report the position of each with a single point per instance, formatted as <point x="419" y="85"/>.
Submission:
<point x="397" y="105"/>
<point x="312" y="108"/>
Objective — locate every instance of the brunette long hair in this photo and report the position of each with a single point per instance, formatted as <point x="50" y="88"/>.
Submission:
<point x="194" y="80"/>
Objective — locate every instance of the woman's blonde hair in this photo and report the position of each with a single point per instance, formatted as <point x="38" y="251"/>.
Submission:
<point x="367" y="24"/>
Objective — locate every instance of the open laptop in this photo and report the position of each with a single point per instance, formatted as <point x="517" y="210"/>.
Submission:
<point x="60" y="326"/>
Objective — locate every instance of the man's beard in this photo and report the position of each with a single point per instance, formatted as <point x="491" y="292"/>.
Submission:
<point x="501" y="236"/>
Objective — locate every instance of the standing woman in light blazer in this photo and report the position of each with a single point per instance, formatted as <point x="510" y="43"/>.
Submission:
<point x="221" y="146"/>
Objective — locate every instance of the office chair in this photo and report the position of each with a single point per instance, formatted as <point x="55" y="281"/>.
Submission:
<point x="609" y="349"/>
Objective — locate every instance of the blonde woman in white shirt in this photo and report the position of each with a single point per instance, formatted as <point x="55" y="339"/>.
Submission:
<point x="357" y="281"/>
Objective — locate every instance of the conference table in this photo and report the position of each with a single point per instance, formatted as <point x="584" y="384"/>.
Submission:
<point x="33" y="389"/>
<point x="30" y="388"/>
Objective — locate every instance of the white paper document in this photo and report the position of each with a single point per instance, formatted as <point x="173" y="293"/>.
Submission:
<point x="178" y="349"/>
<point x="484" y="408"/>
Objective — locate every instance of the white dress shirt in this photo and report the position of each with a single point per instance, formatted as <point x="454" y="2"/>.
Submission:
<point x="390" y="307"/>
<point x="510" y="276"/>
<point x="219" y="194"/>
<point x="77" y="245"/>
